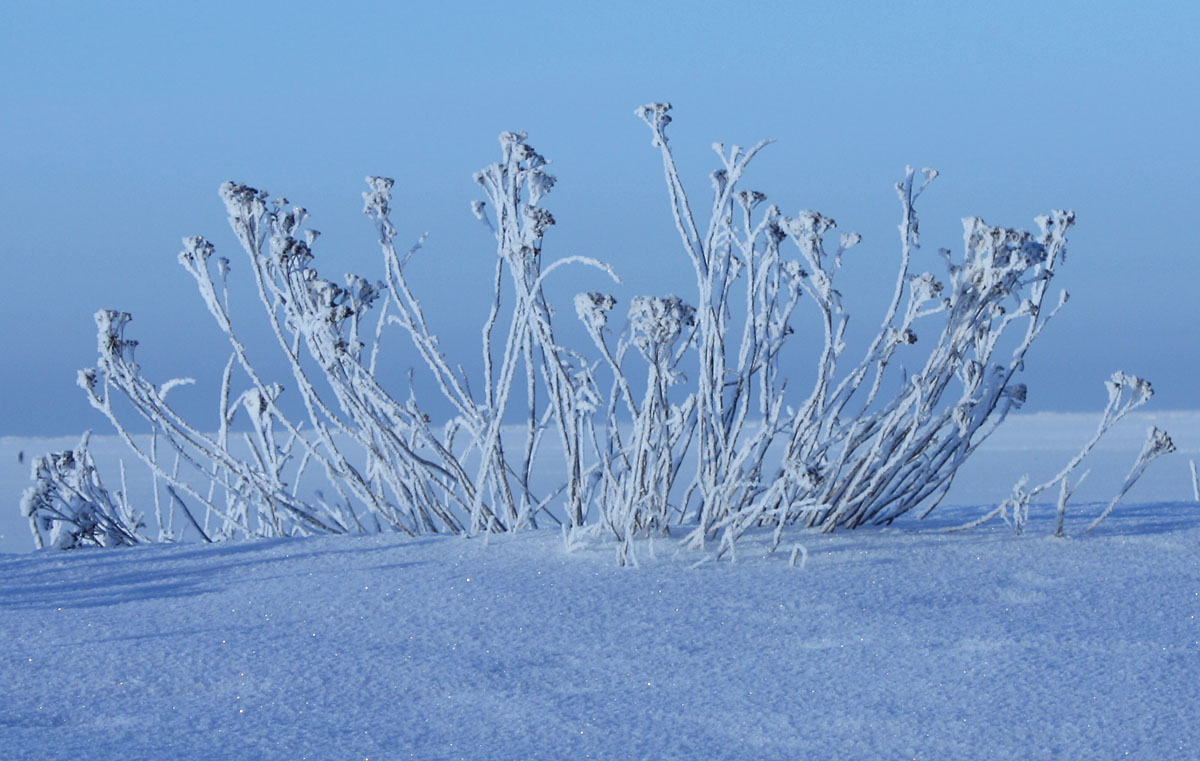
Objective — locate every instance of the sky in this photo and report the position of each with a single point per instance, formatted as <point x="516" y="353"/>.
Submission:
<point x="120" y="120"/>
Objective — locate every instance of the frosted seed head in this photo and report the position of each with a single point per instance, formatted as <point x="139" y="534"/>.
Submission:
<point x="654" y="113"/>
<point x="525" y="152"/>
<point x="110" y="328"/>
<point x="196" y="249"/>
<point x="1157" y="443"/>
<point x="86" y="379"/>
<point x="901" y="337"/>
<point x="362" y="290"/>
<point x="514" y="147"/>
<point x="377" y="200"/>
<point x="380" y="184"/>
<point x="658" y="322"/>
<point x="537" y="220"/>
<point x="243" y="201"/>
<point x="1139" y="387"/>
<point x="510" y="139"/>
<point x="377" y="205"/>
<point x="925" y="287"/>
<point x="32" y="498"/>
<point x="540" y="183"/>
<point x="593" y="308"/>
<point x="750" y="198"/>
<point x="1044" y="224"/>
<point x="814" y="223"/>
<point x="656" y="117"/>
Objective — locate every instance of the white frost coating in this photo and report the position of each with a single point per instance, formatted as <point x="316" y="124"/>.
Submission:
<point x="1125" y="393"/>
<point x="850" y="458"/>
<point x="718" y="442"/>
<point x="1157" y="443"/>
<point x="70" y="504"/>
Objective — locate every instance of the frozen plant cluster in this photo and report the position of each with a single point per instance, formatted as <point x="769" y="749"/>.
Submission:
<point x="696" y="432"/>
<point x="1125" y="394"/>
<point x="70" y="504"/>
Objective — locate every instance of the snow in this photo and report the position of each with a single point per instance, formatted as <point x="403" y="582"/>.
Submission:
<point x="901" y="642"/>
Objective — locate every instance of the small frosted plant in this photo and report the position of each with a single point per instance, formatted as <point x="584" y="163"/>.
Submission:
<point x="69" y="507"/>
<point x="1126" y="393"/>
<point x="1157" y="444"/>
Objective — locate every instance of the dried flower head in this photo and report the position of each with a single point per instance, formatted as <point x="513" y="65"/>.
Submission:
<point x="750" y="198"/>
<point x="537" y="220"/>
<point x="658" y="323"/>
<point x="1157" y="443"/>
<point x="925" y="287"/>
<point x="377" y="205"/>
<point x="656" y="117"/>
<point x="196" y="251"/>
<point x="1140" y="388"/>
<point x="593" y="308"/>
<point x="110" y="341"/>
<point x="362" y="291"/>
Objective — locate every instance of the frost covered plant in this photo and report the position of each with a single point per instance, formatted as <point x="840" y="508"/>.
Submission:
<point x="1125" y="393"/>
<point x="385" y="466"/>
<point x="69" y="504"/>
<point x="849" y="456"/>
<point x="718" y="442"/>
<point x="515" y="188"/>
<point x="640" y="497"/>
<point x="1157" y="443"/>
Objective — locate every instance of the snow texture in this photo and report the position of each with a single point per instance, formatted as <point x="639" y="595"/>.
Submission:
<point x="882" y="643"/>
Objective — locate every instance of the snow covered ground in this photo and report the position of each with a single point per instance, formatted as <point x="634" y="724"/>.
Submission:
<point x="902" y="642"/>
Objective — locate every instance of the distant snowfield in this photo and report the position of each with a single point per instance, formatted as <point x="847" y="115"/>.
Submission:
<point x="902" y="642"/>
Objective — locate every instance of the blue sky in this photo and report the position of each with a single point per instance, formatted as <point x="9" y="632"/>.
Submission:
<point x="120" y="120"/>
